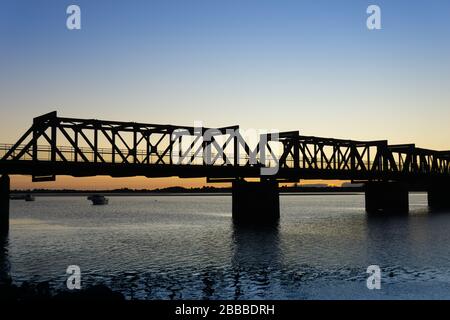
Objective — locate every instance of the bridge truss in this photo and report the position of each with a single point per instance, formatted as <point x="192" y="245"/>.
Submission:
<point x="81" y="147"/>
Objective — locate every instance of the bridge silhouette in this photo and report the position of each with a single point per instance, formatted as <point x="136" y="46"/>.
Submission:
<point x="55" y="146"/>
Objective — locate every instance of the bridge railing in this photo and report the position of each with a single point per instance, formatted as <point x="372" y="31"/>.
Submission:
<point x="44" y="153"/>
<point x="413" y="161"/>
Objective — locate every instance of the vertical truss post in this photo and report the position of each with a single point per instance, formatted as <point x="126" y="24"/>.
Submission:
<point x="134" y="150"/>
<point x="204" y="147"/>
<point x="236" y="148"/>
<point x="113" y="139"/>
<point x="95" y="143"/>
<point x="53" y="140"/>
<point x="352" y="156"/>
<point x="147" y="147"/>
<point x="171" y="147"/>
<point x="35" y="138"/>
<point x="76" y="145"/>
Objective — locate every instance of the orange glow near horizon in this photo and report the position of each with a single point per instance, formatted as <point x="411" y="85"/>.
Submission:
<point x="108" y="183"/>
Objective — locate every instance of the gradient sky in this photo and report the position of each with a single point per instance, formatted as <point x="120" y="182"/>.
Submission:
<point x="287" y="65"/>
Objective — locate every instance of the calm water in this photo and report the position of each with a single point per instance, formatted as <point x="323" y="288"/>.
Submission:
<point x="174" y="247"/>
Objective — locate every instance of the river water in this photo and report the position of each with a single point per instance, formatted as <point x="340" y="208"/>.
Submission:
<point x="186" y="247"/>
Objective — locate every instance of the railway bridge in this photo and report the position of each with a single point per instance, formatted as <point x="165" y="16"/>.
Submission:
<point x="56" y="145"/>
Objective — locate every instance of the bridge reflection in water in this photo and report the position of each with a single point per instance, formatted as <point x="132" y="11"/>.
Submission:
<point x="256" y="255"/>
<point x="5" y="268"/>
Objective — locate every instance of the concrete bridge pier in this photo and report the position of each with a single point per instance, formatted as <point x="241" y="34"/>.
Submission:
<point x="388" y="197"/>
<point x="255" y="202"/>
<point x="4" y="204"/>
<point x="439" y="196"/>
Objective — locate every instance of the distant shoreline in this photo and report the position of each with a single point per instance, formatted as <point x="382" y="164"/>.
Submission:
<point x="168" y="194"/>
<point x="173" y="191"/>
<point x="179" y="191"/>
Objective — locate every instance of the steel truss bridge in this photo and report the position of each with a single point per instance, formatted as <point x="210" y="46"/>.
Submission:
<point x="83" y="147"/>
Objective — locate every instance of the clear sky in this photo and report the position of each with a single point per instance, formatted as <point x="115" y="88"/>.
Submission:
<point x="307" y="65"/>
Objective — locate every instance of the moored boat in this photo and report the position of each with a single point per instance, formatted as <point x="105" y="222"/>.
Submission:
<point x="98" y="199"/>
<point x="26" y="197"/>
<point x="29" y="197"/>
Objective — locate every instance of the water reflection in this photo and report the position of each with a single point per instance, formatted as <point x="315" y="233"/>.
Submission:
<point x="387" y="236"/>
<point x="409" y="247"/>
<point x="256" y="255"/>
<point x="5" y="267"/>
<point x="180" y="250"/>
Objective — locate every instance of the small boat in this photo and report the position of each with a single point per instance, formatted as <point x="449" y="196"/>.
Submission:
<point x="16" y="197"/>
<point x="29" y="197"/>
<point x="98" y="199"/>
<point x="26" y="197"/>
